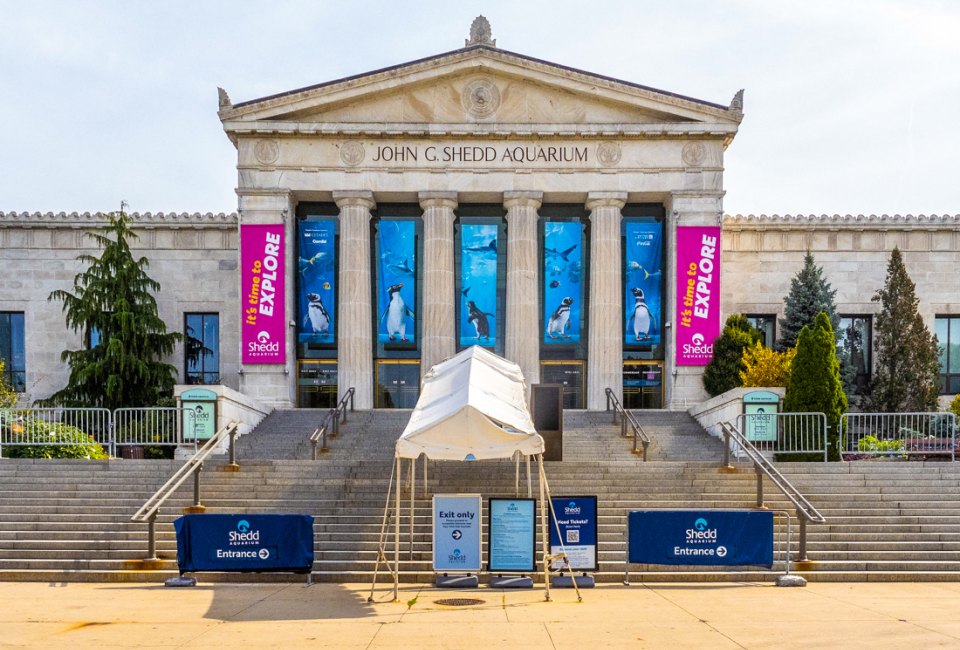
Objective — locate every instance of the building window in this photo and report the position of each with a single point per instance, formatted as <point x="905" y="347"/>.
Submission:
<point x="12" y="350"/>
<point x="947" y="329"/>
<point x="202" y="348"/>
<point x="855" y="346"/>
<point x="767" y="324"/>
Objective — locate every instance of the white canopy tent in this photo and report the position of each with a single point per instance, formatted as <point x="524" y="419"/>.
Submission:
<point x="472" y="407"/>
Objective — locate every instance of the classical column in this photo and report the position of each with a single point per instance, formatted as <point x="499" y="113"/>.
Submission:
<point x="605" y="348"/>
<point x="355" y="363"/>
<point x="523" y="319"/>
<point x="439" y="311"/>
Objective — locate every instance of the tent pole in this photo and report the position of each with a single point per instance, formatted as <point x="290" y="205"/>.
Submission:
<point x="413" y="489"/>
<point x="424" y="476"/>
<point x="563" y="548"/>
<point x="396" y="538"/>
<point x="382" y="545"/>
<point x="543" y="530"/>
<point x="516" y="477"/>
<point x="529" y="484"/>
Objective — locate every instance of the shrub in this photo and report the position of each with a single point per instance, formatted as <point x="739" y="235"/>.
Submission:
<point x="765" y="367"/>
<point x="723" y="371"/>
<point x="38" y="439"/>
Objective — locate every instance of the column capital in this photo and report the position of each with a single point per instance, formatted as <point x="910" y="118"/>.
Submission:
<point x="438" y="200"/>
<point x="347" y="198"/>
<point x="522" y="199"/>
<point x="606" y="200"/>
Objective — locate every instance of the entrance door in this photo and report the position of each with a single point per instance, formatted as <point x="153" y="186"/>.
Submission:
<point x="570" y="375"/>
<point x="317" y="383"/>
<point x="643" y="384"/>
<point x="398" y="383"/>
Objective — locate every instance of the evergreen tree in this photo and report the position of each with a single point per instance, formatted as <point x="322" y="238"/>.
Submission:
<point x="906" y="373"/>
<point x="723" y="371"/>
<point x="810" y="294"/>
<point x="815" y="385"/>
<point x="113" y="298"/>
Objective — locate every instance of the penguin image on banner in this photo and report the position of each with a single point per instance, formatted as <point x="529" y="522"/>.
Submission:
<point x="643" y="282"/>
<point x="316" y="284"/>
<point x="562" y="287"/>
<point x="397" y="281"/>
<point x="478" y="282"/>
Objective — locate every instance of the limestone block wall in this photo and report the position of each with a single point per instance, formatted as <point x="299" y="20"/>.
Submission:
<point x="192" y="256"/>
<point x="762" y="254"/>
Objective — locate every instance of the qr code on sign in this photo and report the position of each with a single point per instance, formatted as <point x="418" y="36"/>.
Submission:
<point x="573" y="537"/>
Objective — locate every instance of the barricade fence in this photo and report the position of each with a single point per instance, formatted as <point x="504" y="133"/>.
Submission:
<point x="785" y="433"/>
<point x="113" y="430"/>
<point x="898" y="434"/>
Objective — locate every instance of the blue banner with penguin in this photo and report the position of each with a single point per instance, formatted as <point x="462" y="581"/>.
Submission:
<point x="478" y="285"/>
<point x="643" y="282"/>
<point x="562" y="287"/>
<point x="317" y="290"/>
<point x="397" y="281"/>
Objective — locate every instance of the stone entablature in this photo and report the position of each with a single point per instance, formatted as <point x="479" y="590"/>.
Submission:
<point x="837" y="221"/>
<point x="138" y="219"/>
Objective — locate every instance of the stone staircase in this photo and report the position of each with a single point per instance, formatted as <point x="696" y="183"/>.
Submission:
<point x="69" y="520"/>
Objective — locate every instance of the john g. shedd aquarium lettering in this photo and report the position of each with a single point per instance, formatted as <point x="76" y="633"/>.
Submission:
<point x="474" y="154"/>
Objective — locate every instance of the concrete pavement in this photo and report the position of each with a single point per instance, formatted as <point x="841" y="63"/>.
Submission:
<point x="821" y="615"/>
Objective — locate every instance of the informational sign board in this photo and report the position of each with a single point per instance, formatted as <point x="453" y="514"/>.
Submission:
<point x="457" y="528"/>
<point x="248" y="542"/>
<point x="700" y="537"/>
<point x="263" y="323"/>
<point x="760" y="415"/>
<point x="199" y="414"/>
<point x="512" y="535"/>
<point x="576" y="517"/>
<point x="698" y="293"/>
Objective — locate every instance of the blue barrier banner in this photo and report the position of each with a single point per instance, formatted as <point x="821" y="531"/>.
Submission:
<point x="512" y="534"/>
<point x="576" y="517"/>
<point x="456" y="532"/>
<point x="705" y="537"/>
<point x="244" y="543"/>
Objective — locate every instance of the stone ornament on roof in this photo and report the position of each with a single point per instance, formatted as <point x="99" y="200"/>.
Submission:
<point x="137" y="218"/>
<point x="838" y="220"/>
<point x="480" y="33"/>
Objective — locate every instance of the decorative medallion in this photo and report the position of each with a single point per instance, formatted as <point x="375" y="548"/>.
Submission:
<point x="352" y="153"/>
<point x="480" y="98"/>
<point x="266" y="151"/>
<point x="609" y="153"/>
<point x="693" y="153"/>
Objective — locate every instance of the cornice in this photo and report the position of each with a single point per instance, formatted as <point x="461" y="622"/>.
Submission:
<point x="837" y="221"/>
<point x="137" y="219"/>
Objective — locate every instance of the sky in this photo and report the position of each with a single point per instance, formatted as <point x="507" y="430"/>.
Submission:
<point x="851" y="107"/>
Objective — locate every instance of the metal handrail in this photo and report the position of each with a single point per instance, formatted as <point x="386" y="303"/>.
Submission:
<point x="626" y="417"/>
<point x="194" y="465"/>
<point x="763" y="467"/>
<point x="331" y="423"/>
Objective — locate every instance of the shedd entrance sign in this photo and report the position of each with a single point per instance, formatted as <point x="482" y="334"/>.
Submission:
<point x="705" y="537"/>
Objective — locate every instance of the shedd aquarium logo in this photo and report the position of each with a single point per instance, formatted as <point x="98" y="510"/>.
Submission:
<point x="263" y="344"/>
<point x="701" y="539"/>
<point x="697" y="346"/>
<point x="244" y="535"/>
<point x="571" y="508"/>
<point x="457" y="557"/>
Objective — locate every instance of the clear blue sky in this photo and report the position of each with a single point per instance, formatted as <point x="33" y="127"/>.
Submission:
<point x="851" y="107"/>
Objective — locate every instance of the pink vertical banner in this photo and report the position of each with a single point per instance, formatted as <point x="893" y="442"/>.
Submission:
<point x="698" y="293"/>
<point x="262" y="314"/>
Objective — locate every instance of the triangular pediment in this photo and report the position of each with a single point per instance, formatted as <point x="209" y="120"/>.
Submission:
<point x="480" y="87"/>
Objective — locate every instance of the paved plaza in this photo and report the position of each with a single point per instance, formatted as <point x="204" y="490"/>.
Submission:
<point x="703" y="616"/>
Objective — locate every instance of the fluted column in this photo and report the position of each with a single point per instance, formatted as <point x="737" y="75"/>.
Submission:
<point x="604" y="348"/>
<point x="355" y="362"/>
<point x="523" y="291"/>
<point x="439" y="310"/>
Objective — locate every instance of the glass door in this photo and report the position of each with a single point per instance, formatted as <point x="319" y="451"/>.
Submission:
<point x="643" y="384"/>
<point x="398" y="383"/>
<point x="317" y="383"/>
<point x="568" y="373"/>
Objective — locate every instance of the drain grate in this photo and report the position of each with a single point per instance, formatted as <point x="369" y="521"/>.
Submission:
<point x="458" y="602"/>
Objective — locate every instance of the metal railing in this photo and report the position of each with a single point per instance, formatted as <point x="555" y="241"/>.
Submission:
<point x="763" y="467"/>
<point x="194" y="465"/>
<point x="113" y="430"/>
<point x="624" y="418"/>
<point x="898" y="434"/>
<point x="331" y="424"/>
<point x="786" y="433"/>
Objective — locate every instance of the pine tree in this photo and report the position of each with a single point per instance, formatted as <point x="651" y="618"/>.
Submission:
<point x="114" y="297"/>
<point x="723" y="371"/>
<point x="810" y="294"/>
<point x="815" y="385"/>
<point x="906" y="375"/>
